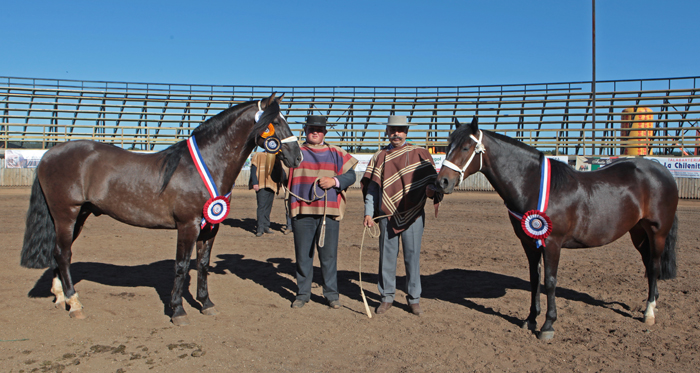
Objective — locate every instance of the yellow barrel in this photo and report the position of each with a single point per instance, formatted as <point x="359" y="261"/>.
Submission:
<point x="638" y="144"/>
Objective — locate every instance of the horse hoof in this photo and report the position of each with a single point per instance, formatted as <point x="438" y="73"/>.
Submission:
<point x="650" y="320"/>
<point x="78" y="314"/>
<point x="211" y="311"/>
<point x="60" y="305"/>
<point x="527" y="325"/>
<point x="545" y="336"/>
<point x="180" y="320"/>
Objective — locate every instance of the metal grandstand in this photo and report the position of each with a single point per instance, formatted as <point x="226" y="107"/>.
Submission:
<point x="554" y="117"/>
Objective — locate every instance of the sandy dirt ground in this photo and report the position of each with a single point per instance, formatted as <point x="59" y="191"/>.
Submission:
<point x="475" y="296"/>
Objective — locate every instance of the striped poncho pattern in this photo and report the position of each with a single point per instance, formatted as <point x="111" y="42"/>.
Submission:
<point x="319" y="161"/>
<point x="402" y="174"/>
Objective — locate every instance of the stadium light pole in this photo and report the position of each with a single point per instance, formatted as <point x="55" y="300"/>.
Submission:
<point x="593" y="84"/>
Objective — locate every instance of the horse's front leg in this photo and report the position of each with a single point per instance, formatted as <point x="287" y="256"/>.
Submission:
<point x="550" y="255"/>
<point x="186" y="238"/>
<point x="533" y="258"/>
<point x="203" y="257"/>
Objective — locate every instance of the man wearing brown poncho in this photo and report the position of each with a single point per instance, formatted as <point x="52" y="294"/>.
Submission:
<point x="398" y="181"/>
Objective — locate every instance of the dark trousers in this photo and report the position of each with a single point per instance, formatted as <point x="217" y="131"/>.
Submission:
<point x="306" y="232"/>
<point x="265" y="196"/>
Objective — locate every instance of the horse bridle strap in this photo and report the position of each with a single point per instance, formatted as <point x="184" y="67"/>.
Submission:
<point x="479" y="148"/>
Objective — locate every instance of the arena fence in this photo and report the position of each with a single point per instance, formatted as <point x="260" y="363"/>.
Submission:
<point x="636" y="117"/>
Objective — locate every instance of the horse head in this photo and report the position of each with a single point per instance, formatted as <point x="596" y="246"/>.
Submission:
<point x="271" y="127"/>
<point x="465" y="145"/>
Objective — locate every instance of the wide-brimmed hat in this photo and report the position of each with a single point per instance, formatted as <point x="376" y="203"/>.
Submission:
<point x="316" y="120"/>
<point x="397" y="120"/>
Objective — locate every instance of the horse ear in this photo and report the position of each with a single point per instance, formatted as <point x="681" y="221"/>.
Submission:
<point x="457" y="124"/>
<point x="280" y="98"/>
<point x="266" y="102"/>
<point x="475" y="124"/>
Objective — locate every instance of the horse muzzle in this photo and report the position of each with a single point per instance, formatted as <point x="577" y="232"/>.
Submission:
<point x="291" y="154"/>
<point x="444" y="184"/>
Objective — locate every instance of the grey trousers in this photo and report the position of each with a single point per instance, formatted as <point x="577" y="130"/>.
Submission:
<point x="264" y="196"/>
<point x="306" y="232"/>
<point x="388" y="254"/>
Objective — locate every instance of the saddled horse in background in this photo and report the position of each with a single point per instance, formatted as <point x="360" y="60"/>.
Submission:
<point x="584" y="209"/>
<point x="161" y="190"/>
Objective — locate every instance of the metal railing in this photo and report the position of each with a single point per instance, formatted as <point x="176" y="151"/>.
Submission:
<point x="554" y="117"/>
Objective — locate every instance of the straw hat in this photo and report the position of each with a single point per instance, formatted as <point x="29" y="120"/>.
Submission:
<point x="397" y="120"/>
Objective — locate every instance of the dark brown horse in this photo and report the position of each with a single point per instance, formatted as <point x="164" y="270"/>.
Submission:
<point x="162" y="190"/>
<point x="585" y="209"/>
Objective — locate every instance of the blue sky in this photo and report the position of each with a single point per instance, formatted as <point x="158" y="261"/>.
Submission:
<point x="334" y="43"/>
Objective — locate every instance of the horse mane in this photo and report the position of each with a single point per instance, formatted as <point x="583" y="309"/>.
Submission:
<point x="211" y="127"/>
<point x="561" y="173"/>
<point x="514" y="142"/>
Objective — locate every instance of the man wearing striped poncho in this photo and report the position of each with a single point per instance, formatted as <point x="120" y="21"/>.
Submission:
<point x="397" y="182"/>
<point x="317" y="204"/>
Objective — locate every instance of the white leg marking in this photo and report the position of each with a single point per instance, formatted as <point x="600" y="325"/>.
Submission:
<point x="76" y="309"/>
<point x="57" y="290"/>
<point x="649" y="317"/>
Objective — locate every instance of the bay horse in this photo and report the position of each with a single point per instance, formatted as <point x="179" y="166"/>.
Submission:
<point x="584" y="209"/>
<point x="163" y="190"/>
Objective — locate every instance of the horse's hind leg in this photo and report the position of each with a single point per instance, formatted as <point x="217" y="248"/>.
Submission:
<point x="650" y="245"/>
<point x="57" y="290"/>
<point x="203" y="258"/>
<point x="65" y="235"/>
<point x="56" y="284"/>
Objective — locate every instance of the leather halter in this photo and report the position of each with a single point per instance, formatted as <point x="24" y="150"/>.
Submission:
<point x="479" y="148"/>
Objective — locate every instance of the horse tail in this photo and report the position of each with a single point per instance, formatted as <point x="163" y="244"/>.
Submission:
<point x="668" y="257"/>
<point x="40" y="233"/>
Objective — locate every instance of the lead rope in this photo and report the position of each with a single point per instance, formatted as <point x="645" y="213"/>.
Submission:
<point x="374" y="233"/>
<point x="322" y="235"/>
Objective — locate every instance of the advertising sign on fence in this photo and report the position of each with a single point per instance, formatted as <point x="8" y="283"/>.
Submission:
<point x="584" y="163"/>
<point x="688" y="167"/>
<point x="364" y="158"/>
<point x="23" y="158"/>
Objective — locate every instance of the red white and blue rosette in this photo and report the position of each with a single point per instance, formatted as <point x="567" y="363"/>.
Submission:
<point x="536" y="224"/>
<point x="216" y="209"/>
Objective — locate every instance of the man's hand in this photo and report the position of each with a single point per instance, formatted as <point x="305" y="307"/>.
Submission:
<point x="429" y="190"/>
<point x="256" y="187"/>
<point x="326" y="182"/>
<point x="368" y="222"/>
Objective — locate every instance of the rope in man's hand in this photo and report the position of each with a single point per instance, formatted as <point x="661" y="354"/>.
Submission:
<point x="322" y="235"/>
<point x="373" y="232"/>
